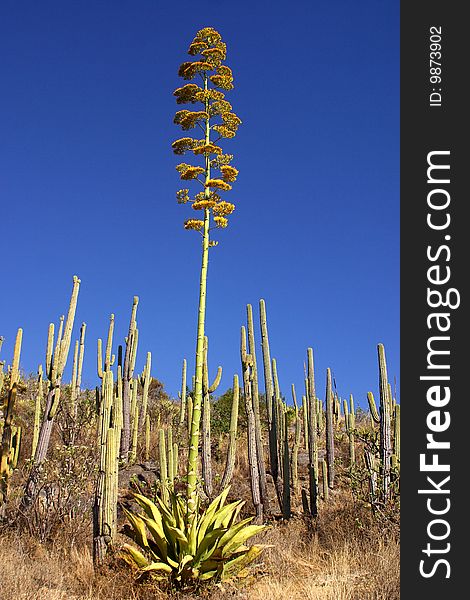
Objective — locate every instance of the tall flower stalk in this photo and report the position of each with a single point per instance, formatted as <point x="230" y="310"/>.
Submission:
<point x="216" y="121"/>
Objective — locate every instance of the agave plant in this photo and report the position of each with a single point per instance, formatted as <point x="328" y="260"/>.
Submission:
<point x="210" y="545"/>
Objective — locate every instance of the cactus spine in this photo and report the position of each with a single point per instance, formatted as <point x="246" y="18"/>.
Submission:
<point x="330" y="440"/>
<point x="232" y="445"/>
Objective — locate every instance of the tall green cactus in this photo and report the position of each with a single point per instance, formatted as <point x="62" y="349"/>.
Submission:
<point x="350" y="425"/>
<point x="207" y="390"/>
<point x="163" y="467"/>
<point x="127" y="376"/>
<point x="56" y="359"/>
<point x="255" y="391"/>
<point x="247" y="363"/>
<point x="232" y="444"/>
<point x="39" y="397"/>
<point x="385" y="421"/>
<point x="330" y="439"/>
<point x="296" y="445"/>
<point x="11" y="435"/>
<point x="312" y="433"/>
<point x="109" y="435"/>
<point x="270" y="404"/>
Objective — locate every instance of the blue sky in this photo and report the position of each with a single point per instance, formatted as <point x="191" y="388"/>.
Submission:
<point x="88" y="181"/>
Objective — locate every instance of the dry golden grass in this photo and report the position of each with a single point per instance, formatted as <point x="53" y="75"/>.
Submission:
<point x="344" y="557"/>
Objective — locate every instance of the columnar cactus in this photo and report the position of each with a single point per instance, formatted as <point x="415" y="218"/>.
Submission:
<point x="296" y="446"/>
<point x="56" y="359"/>
<point x="109" y="434"/>
<point x="330" y="439"/>
<point x="11" y="435"/>
<point x="39" y="397"/>
<point x="145" y="381"/>
<point x="247" y="363"/>
<point x="127" y="376"/>
<point x="163" y="467"/>
<point x="232" y="443"/>
<point x="385" y="421"/>
<point x="255" y="391"/>
<point x="207" y="390"/>
<point x="350" y="425"/>
<point x="270" y="404"/>
<point x="312" y="433"/>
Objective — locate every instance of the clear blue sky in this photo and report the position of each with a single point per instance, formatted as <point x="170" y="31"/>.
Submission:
<point x="88" y="181"/>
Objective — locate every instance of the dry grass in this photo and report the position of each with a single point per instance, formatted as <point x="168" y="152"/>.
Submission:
<point x="345" y="557"/>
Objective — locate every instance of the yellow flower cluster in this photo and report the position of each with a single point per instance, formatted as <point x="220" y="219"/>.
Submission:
<point x="228" y="173"/>
<point x="188" y="70"/>
<point x="192" y="172"/>
<point x="207" y="149"/>
<point x="180" y="146"/>
<point x="223" y="209"/>
<point x="187" y="93"/>
<point x="204" y="203"/>
<point x="222" y="82"/>
<point x="182" y="196"/>
<point x="212" y="196"/>
<point x="188" y="119"/>
<point x="197" y="47"/>
<point x="231" y="120"/>
<point x="218" y="184"/>
<point x="214" y="56"/>
<point x="223" y="131"/>
<point x="195" y="224"/>
<point x="221" y="159"/>
<point x="221" y="222"/>
<point x="209" y="35"/>
<point x="219" y="107"/>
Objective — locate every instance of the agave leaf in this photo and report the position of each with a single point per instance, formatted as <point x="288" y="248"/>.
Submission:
<point x="158" y="535"/>
<point x="185" y="560"/>
<point x="166" y="513"/>
<point x="139" y="528"/>
<point x="230" y="520"/>
<point x="240" y="538"/>
<point x="158" y="566"/>
<point x="230" y="533"/>
<point x="137" y="559"/>
<point x="150" y="508"/>
<point x="208" y="545"/>
<point x="224" y="512"/>
<point x="178" y="534"/>
<point x="208" y="575"/>
<point x="239" y="562"/>
<point x="208" y="516"/>
<point x="172" y="562"/>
